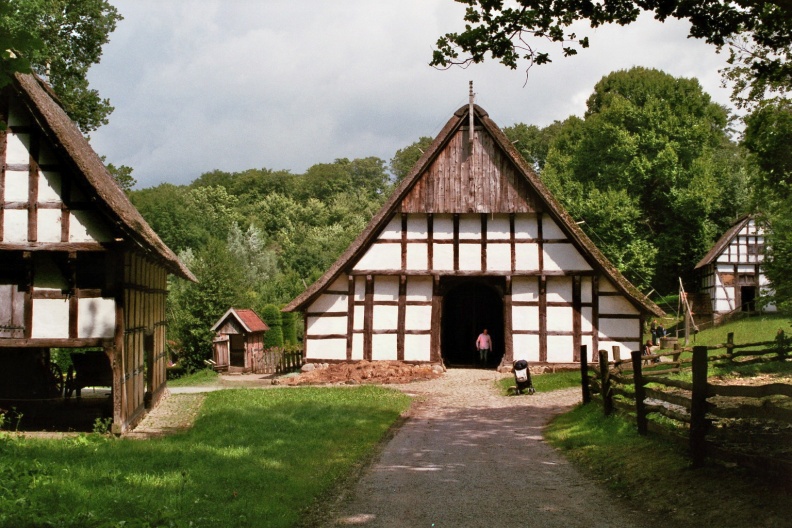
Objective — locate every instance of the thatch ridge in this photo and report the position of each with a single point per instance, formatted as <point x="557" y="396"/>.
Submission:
<point x="65" y="135"/>
<point x="723" y="241"/>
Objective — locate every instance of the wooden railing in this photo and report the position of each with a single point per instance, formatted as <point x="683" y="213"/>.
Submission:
<point x="709" y="417"/>
<point x="277" y="360"/>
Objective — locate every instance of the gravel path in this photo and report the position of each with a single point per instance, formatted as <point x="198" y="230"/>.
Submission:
<point x="468" y="457"/>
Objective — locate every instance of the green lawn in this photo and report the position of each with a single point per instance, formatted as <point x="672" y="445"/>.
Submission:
<point x="199" y="378"/>
<point x="253" y="458"/>
<point x="545" y="382"/>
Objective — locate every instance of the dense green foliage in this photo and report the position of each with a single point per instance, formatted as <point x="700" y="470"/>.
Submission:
<point x="62" y="39"/>
<point x="651" y="172"/>
<point x="253" y="458"/>
<point x="274" y="336"/>
<point x="289" y="322"/>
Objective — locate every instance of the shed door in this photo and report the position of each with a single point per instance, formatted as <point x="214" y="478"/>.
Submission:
<point x="237" y="350"/>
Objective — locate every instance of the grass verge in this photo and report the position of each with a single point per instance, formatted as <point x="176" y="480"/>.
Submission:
<point x="198" y="378"/>
<point x="253" y="458"/>
<point x="545" y="382"/>
<point x="653" y="475"/>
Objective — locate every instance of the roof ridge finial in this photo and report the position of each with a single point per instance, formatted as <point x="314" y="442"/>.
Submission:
<point x="472" y="132"/>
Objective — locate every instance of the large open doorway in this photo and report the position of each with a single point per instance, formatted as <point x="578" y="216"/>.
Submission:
<point x="469" y="306"/>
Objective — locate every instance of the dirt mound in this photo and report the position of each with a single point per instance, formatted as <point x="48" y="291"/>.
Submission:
<point x="365" y="372"/>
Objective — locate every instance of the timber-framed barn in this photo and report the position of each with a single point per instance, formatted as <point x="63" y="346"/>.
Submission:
<point x="79" y="266"/>
<point x="730" y="274"/>
<point x="470" y="239"/>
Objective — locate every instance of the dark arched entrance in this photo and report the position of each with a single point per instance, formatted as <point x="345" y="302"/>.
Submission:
<point x="468" y="308"/>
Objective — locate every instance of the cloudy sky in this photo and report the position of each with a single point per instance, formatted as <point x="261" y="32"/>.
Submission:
<point x="200" y="85"/>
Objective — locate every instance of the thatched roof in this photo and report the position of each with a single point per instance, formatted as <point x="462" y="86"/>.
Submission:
<point x="553" y="208"/>
<point x="714" y="252"/>
<point x="68" y="141"/>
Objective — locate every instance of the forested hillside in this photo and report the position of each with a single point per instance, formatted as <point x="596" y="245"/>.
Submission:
<point x="650" y="171"/>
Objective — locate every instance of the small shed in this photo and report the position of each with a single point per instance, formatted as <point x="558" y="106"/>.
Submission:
<point x="239" y="340"/>
<point x="730" y="274"/>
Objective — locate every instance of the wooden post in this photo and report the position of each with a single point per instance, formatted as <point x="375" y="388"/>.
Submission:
<point x="698" y="408"/>
<point x="640" y="393"/>
<point x="677" y="352"/>
<point x="584" y="380"/>
<point x="607" y="396"/>
<point x="616" y="352"/>
<point x="730" y="344"/>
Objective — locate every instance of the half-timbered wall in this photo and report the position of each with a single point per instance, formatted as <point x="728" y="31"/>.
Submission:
<point x="387" y="305"/>
<point x="738" y="265"/>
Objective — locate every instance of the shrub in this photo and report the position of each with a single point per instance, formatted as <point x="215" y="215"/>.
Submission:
<point x="289" y="328"/>
<point x="274" y="336"/>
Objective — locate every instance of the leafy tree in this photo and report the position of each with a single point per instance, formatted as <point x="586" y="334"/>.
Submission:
<point x="532" y="142"/>
<point x="71" y="33"/>
<point x="405" y="159"/>
<point x="16" y="45"/>
<point x="289" y="320"/>
<point x="654" y="150"/>
<point x="274" y="336"/>
<point x="768" y="135"/>
<point x="512" y="32"/>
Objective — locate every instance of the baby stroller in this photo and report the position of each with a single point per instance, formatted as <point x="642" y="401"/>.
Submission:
<point x="522" y="377"/>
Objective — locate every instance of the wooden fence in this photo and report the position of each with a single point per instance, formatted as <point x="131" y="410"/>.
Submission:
<point x="277" y="360"/>
<point x="727" y="421"/>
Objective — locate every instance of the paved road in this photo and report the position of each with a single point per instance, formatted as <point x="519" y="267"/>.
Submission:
<point x="469" y="457"/>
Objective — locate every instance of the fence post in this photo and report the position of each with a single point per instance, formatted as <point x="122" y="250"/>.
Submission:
<point x="640" y="393"/>
<point x="607" y="397"/>
<point x="616" y="352"/>
<point x="584" y="379"/>
<point x="677" y="352"/>
<point x="730" y="344"/>
<point x="698" y="408"/>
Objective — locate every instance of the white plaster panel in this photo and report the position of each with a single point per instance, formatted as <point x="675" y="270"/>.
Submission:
<point x="443" y="257"/>
<point x="745" y="269"/>
<point x="559" y="318"/>
<point x="357" y="346"/>
<point x="498" y="227"/>
<point x="525" y="317"/>
<point x="417" y="347"/>
<point x="48" y="226"/>
<point x="443" y="227"/>
<point x="588" y="341"/>
<point x="564" y="257"/>
<point x="725" y="269"/>
<point x="318" y="325"/>
<point x="470" y="257"/>
<point x="625" y="347"/>
<point x="618" y="327"/>
<point x="586" y="290"/>
<point x="329" y="302"/>
<point x="17" y="115"/>
<point x="325" y="348"/>
<point x="383" y="347"/>
<point x="340" y="284"/>
<point x="526" y="347"/>
<point x="605" y="285"/>
<point x="357" y="321"/>
<point x="526" y="257"/>
<point x="559" y="289"/>
<point x="380" y="257"/>
<point x="96" y="318"/>
<point x="418" y="317"/>
<point x="419" y="288"/>
<point x="15" y="225"/>
<point x="550" y="230"/>
<point x="616" y="305"/>
<point x="586" y="319"/>
<point x="498" y="257"/>
<point x="87" y="226"/>
<point x="469" y="227"/>
<point x="723" y="257"/>
<point x="417" y="226"/>
<point x="386" y="288"/>
<point x="417" y="256"/>
<point x="49" y="187"/>
<point x="392" y="231"/>
<point x="17" y="149"/>
<point x="51" y="318"/>
<point x="47" y="275"/>
<point x="17" y="186"/>
<point x="526" y="226"/>
<point x="560" y="349"/>
<point x="360" y="288"/>
<point x="525" y="289"/>
<point x="385" y="317"/>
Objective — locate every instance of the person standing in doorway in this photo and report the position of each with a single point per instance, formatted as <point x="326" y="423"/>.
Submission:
<point x="484" y="345"/>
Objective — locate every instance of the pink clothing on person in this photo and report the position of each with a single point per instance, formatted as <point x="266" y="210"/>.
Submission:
<point x="484" y="342"/>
